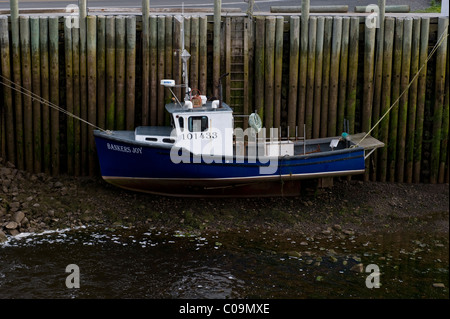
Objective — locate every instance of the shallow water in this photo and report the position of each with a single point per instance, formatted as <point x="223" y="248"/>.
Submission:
<point x="156" y="263"/>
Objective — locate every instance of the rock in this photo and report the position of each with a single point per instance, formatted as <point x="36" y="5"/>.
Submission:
<point x="58" y="185"/>
<point x="14" y="232"/>
<point x="348" y="232"/>
<point x="438" y="285"/>
<point x="3" y="237"/>
<point x="294" y="254"/>
<point x="11" y="225"/>
<point x="18" y="217"/>
<point x="25" y="222"/>
<point x="14" y="207"/>
<point x="356" y="258"/>
<point x="304" y="243"/>
<point x="357" y="268"/>
<point x="337" y="227"/>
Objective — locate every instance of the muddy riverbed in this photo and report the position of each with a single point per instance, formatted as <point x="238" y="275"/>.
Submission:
<point x="38" y="202"/>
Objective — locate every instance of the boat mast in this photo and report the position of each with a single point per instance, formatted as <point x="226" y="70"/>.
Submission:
<point x="184" y="57"/>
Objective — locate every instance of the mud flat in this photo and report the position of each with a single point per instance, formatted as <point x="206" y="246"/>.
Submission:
<point x="37" y="202"/>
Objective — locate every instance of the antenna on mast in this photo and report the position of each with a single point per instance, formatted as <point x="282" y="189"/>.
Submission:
<point x="184" y="56"/>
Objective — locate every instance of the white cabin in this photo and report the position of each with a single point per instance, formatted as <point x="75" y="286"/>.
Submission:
<point x="206" y="130"/>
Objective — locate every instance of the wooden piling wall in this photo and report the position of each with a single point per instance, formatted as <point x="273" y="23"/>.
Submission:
<point x="293" y="70"/>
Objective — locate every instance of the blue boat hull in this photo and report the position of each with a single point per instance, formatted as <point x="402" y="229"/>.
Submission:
<point x="142" y="167"/>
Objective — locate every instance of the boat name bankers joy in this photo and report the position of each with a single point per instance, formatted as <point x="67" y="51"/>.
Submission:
<point x="124" y="149"/>
<point x="215" y="146"/>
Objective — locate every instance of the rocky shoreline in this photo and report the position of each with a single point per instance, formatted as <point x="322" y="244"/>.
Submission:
<point x="38" y="202"/>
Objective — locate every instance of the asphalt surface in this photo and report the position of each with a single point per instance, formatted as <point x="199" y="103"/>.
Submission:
<point x="260" y="5"/>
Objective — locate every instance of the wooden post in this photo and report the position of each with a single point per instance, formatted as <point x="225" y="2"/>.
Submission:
<point x="203" y="54"/>
<point x="53" y="27"/>
<point x="326" y="66"/>
<point x="269" y="72"/>
<point x="147" y="116"/>
<point x="369" y="55"/>
<point x="110" y="72"/>
<point x="76" y="99"/>
<point x="24" y="22"/>
<point x="69" y="93"/>
<point x="130" y="71"/>
<point x="36" y="84"/>
<point x="305" y="9"/>
<point x="318" y="77"/>
<point x="385" y="101"/>
<point x="279" y="30"/>
<point x="294" y="47"/>
<point x="82" y="8"/>
<point x="7" y="92"/>
<point x="441" y="56"/>
<point x="310" y="76"/>
<point x="101" y="71"/>
<point x="247" y="75"/>
<point x="195" y="43"/>
<point x="259" y="66"/>
<point x="334" y="75"/>
<point x="161" y="67"/>
<point x="187" y="46"/>
<point x="17" y="78"/>
<point x="378" y="70"/>
<point x="168" y="63"/>
<point x="343" y="75"/>
<point x="403" y="104"/>
<point x="421" y="97"/>
<point x="91" y="46"/>
<point x="303" y="64"/>
<point x="368" y="78"/>
<point x="216" y="45"/>
<point x="393" y="116"/>
<point x="84" y="152"/>
<point x="153" y="109"/>
<point x="353" y="54"/>
<point x="443" y="172"/>
<point x="412" y="105"/>
<point x="120" y="72"/>
<point x="445" y="158"/>
<point x="228" y="49"/>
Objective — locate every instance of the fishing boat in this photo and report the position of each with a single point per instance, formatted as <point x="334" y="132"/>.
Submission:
<point x="203" y="154"/>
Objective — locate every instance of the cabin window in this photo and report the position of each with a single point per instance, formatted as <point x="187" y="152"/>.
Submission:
<point x="198" y="123"/>
<point x="181" y="122"/>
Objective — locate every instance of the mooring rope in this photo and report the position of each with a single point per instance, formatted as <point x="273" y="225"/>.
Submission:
<point x="436" y="46"/>
<point x="18" y="88"/>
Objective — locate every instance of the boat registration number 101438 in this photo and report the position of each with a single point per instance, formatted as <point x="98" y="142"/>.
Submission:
<point x="200" y="135"/>
<point x="124" y="149"/>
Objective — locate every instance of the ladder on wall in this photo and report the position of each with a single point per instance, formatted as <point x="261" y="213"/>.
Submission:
<point x="236" y="64"/>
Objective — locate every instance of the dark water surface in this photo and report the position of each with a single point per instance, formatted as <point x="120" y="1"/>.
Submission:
<point x="154" y="263"/>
